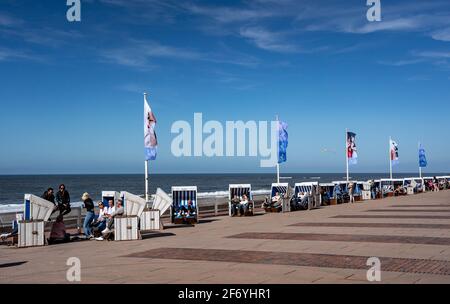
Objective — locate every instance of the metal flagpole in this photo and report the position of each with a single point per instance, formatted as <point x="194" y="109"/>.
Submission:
<point x="146" y="180"/>
<point x="278" y="164"/>
<point x="390" y="155"/>
<point x="346" y="153"/>
<point x="146" y="165"/>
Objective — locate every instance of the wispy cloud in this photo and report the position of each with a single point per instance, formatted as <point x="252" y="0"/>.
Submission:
<point x="442" y="34"/>
<point x="433" y="54"/>
<point x="400" y="63"/>
<point x="9" y="54"/>
<point x="268" y="40"/>
<point x="141" y="54"/>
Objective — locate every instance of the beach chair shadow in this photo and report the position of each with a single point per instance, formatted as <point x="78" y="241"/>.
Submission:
<point x="155" y="234"/>
<point x="12" y="264"/>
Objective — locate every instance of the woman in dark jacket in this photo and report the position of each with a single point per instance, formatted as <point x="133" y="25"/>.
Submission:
<point x="90" y="215"/>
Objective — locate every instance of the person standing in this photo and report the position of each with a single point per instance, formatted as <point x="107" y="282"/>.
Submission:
<point x="90" y="215"/>
<point x="63" y="200"/>
<point x="351" y="187"/>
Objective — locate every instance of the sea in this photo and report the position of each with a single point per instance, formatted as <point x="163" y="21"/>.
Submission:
<point x="13" y="187"/>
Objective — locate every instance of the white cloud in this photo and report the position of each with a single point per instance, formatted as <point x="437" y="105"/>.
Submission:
<point x="442" y="35"/>
<point x="267" y="40"/>
<point x="141" y="53"/>
<point x="9" y="54"/>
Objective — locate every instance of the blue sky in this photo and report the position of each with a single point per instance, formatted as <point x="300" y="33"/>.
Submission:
<point x="71" y="93"/>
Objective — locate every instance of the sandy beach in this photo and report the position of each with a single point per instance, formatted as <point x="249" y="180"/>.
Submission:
<point x="409" y="235"/>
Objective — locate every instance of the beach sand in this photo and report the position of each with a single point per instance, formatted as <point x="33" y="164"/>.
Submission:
<point x="411" y="241"/>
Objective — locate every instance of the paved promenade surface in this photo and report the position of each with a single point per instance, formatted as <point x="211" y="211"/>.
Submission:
<point x="410" y="235"/>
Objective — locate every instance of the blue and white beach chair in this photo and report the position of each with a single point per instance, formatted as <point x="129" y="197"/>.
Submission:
<point x="312" y="192"/>
<point x="341" y="191"/>
<point x="284" y="192"/>
<point x="329" y="197"/>
<point x="184" y="208"/>
<point x="387" y="187"/>
<point x="239" y="190"/>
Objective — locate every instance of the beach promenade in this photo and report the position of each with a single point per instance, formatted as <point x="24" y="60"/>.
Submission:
<point x="410" y="235"/>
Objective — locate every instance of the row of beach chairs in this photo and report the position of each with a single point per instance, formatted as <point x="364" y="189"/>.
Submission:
<point x="141" y="215"/>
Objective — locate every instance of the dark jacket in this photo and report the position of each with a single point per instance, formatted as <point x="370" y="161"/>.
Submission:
<point x="50" y="198"/>
<point x="63" y="198"/>
<point x="89" y="205"/>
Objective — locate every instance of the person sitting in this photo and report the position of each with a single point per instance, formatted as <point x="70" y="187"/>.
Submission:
<point x="243" y="205"/>
<point x="325" y="197"/>
<point x="63" y="200"/>
<point x="58" y="233"/>
<point x="399" y="191"/>
<point x="14" y="231"/>
<point x="304" y="199"/>
<point x="110" y="219"/>
<point x="188" y="210"/>
<point x="235" y="205"/>
<point x="111" y="208"/>
<point x="49" y="196"/>
<point x="276" y="198"/>
<point x="191" y="208"/>
<point x="99" y="223"/>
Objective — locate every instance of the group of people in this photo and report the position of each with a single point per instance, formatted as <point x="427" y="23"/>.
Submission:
<point x="185" y="211"/>
<point x="435" y="184"/>
<point x="102" y="223"/>
<point x="61" y="200"/>
<point x="97" y="226"/>
<point x="240" y="205"/>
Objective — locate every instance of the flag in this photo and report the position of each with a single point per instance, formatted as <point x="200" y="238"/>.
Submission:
<point x="394" y="152"/>
<point x="282" y="141"/>
<point x="422" y="157"/>
<point x="352" y="154"/>
<point x="150" y="140"/>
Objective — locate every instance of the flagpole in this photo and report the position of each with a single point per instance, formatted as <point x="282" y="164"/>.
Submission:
<point x="278" y="164"/>
<point x="146" y="180"/>
<point x="346" y="153"/>
<point x="390" y="155"/>
<point x="146" y="166"/>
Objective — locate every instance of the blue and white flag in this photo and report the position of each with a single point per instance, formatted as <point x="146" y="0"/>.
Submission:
<point x="394" y="152"/>
<point x="352" y="154"/>
<point x="422" y="157"/>
<point x="282" y="141"/>
<point x="150" y="139"/>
